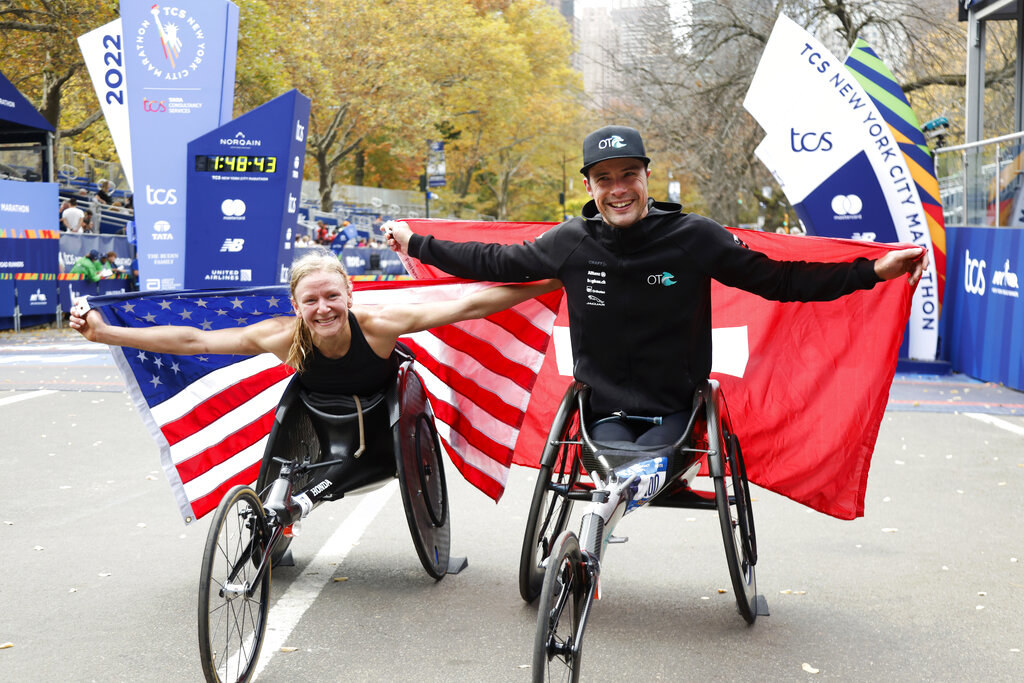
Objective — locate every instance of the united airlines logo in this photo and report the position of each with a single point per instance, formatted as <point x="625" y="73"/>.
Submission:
<point x="172" y="45"/>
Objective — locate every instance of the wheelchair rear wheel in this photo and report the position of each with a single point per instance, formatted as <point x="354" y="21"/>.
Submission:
<point x="556" y="652"/>
<point x="420" y="468"/>
<point x="233" y="599"/>
<point x="550" y="507"/>
<point x="737" y="520"/>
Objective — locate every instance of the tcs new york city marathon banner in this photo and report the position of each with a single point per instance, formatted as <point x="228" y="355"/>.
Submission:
<point x="839" y="161"/>
<point x="179" y="61"/>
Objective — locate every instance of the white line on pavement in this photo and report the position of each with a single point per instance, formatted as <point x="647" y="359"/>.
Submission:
<point x="290" y="607"/>
<point x="996" y="422"/>
<point x="25" y="397"/>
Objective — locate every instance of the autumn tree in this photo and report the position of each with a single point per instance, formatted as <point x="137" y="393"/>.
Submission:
<point x="509" y="146"/>
<point x="39" y="41"/>
<point x="690" y="104"/>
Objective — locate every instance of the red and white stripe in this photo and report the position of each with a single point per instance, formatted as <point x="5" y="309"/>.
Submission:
<point x="478" y="375"/>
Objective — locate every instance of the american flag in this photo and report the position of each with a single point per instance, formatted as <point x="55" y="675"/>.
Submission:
<point x="211" y="415"/>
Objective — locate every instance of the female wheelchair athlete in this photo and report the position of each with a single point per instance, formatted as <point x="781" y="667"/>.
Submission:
<point x="564" y="568"/>
<point x="318" y="450"/>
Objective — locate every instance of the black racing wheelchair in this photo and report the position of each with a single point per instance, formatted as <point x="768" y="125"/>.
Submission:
<point x="320" y="449"/>
<point x="613" y="479"/>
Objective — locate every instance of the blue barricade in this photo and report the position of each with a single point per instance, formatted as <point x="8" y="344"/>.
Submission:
<point x="984" y="304"/>
<point x="7" y="300"/>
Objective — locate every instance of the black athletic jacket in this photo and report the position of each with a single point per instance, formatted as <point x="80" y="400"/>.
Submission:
<point x="639" y="298"/>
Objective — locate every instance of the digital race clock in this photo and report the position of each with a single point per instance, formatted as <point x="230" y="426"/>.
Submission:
<point x="236" y="164"/>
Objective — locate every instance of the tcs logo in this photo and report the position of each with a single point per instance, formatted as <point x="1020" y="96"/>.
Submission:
<point x="809" y="142"/>
<point x="153" y="106"/>
<point x="160" y="197"/>
<point x="974" y="274"/>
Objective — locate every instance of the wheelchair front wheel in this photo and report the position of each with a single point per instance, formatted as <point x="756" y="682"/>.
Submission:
<point x="233" y="597"/>
<point x="556" y="649"/>
<point x="550" y="506"/>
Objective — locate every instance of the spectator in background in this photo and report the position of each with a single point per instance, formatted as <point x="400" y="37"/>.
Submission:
<point x="87" y="225"/>
<point x="108" y="265"/>
<point x="104" y="192"/>
<point x="322" y="233"/>
<point x="133" y="278"/>
<point x="71" y="218"/>
<point x="89" y="266"/>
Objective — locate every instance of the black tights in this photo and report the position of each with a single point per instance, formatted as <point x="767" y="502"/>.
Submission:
<point x="641" y="433"/>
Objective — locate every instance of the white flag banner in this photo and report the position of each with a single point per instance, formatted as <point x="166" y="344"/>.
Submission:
<point x="837" y="159"/>
<point x="103" y="52"/>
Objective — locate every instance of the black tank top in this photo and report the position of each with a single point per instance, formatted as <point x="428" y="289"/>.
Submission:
<point x="360" y="371"/>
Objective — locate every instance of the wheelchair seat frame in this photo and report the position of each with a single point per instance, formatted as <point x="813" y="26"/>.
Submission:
<point x="563" y="567"/>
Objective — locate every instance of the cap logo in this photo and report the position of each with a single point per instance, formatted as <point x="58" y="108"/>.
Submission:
<point x="614" y="141"/>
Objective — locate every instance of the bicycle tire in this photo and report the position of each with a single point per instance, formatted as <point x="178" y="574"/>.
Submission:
<point x="232" y="625"/>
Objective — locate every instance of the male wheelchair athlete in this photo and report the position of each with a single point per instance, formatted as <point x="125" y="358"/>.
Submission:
<point x="615" y="478"/>
<point x="320" y="449"/>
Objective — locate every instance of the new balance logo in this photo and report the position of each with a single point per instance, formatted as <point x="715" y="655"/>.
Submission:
<point x="233" y="245"/>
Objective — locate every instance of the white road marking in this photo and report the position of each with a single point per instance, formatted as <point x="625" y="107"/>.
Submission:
<point x="290" y="607"/>
<point x="26" y="396"/>
<point x="48" y="359"/>
<point x="996" y="422"/>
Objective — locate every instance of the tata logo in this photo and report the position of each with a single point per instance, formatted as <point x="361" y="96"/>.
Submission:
<point x="153" y="106"/>
<point x="232" y="245"/>
<point x="974" y="274"/>
<point x="232" y="208"/>
<point x="162" y="231"/>
<point x="158" y="196"/>
<point x="809" y="142"/>
<point x="665" y="279"/>
<point x="847" y="205"/>
<point x="614" y="142"/>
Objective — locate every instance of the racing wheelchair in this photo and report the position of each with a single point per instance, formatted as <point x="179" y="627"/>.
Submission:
<point x="320" y="449"/>
<point x="613" y="479"/>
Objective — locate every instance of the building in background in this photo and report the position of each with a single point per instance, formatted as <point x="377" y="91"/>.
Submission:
<point x="615" y="37"/>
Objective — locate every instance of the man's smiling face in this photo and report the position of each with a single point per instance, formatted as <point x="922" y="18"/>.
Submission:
<point x="619" y="188"/>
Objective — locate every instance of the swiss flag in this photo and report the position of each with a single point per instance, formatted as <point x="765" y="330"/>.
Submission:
<point x="806" y="383"/>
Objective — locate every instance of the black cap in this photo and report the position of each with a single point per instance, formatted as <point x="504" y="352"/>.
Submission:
<point x="612" y="142"/>
<point x="93" y="254"/>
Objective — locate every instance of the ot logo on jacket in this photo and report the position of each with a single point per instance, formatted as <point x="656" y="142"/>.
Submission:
<point x="666" y="279"/>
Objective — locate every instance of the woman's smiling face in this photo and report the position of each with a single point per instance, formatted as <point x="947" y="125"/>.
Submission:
<point x="322" y="300"/>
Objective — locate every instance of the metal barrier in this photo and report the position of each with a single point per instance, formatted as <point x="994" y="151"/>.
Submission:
<point x="982" y="183"/>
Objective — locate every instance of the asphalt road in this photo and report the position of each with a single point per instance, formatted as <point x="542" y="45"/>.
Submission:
<point x="99" y="575"/>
